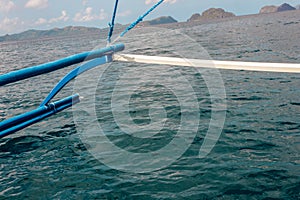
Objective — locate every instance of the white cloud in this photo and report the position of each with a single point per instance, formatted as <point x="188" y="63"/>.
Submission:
<point x="8" y="25"/>
<point x="155" y="1"/>
<point x="87" y="15"/>
<point x="41" y="21"/>
<point x="6" y="5"/>
<point x="64" y="17"/>
<point x="37" y="4"/>
<point x="125" y="13"/>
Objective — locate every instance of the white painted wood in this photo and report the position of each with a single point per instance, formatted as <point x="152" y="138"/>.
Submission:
<point x="233" y="65"/>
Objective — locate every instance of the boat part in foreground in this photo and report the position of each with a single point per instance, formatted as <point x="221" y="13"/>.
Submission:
<point x="22" y="121"/>
<point x="233" y="65"/>
<point x="58" y="64"/>
<point x="46" y="108"/>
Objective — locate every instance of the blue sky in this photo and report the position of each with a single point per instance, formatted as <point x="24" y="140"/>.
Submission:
<point x="21" y="15"/>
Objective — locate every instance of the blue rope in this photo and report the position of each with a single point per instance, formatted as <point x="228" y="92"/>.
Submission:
<point x="131" y="26"/>
<point x="112" y="24"/>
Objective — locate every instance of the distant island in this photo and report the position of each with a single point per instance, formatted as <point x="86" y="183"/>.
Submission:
<point x="69" y="31"/>
<point x="55" y="32"/>
<point x="77" y="31"/>
<point x="212" y="13"/>
<point x="273" y="9"/>
<point x="159" y="21"/>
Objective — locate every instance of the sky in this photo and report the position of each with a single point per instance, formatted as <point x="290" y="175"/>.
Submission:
<point x="20" y="15"/>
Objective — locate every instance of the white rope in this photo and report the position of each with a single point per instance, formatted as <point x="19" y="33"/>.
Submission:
<point x="233" y="65"/>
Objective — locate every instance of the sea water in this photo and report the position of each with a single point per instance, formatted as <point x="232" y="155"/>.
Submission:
<point x="141" y="108"/>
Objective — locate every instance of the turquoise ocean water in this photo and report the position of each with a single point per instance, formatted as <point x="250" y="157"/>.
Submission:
<point x="255" y="157"/>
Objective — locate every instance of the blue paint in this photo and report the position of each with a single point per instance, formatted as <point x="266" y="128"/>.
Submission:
<point x="47" y="109"/>
<point x="73" y="74"/>
<point x="17" y="123"/>
<point x="59" y="64"/>
<point x="131" y="26"/>
<point x="112" y="24"/>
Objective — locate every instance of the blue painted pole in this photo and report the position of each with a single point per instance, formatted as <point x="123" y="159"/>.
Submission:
<point x="59" y="64"/>
<point x="73" y="74"/>
<point x="112" y="24"/>
<point x="19" y="122"/>
<point x="140" y="18"/>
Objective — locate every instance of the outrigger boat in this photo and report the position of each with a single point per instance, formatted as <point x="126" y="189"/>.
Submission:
<point x="106" y="55"/>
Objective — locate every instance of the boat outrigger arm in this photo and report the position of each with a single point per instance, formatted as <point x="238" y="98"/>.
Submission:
<point x="47" y="109"/>
<point x="215" y="64"/>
